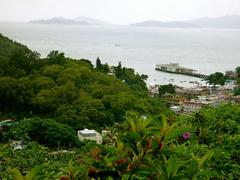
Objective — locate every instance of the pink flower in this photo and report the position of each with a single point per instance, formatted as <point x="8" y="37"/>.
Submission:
<point x="186" y="135"/>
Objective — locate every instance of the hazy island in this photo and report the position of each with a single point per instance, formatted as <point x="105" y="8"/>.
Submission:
<point x="81" y="20"/>
<point x="230" y="22"/>
<point x="172" y="24"/>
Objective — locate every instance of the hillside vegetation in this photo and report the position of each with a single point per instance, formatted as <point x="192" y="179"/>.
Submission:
<point x="71" y="91"/>
<point x="49" y="99"/>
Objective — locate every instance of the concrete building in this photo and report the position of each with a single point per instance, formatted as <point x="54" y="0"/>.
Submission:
<point x="153" y="90"/>
<point x="196" y="104"/>
<point x="192" y="106"/>
<point x="210" y="100"/>
<point x="91" y="135"/>
<point x="230" y="84"/>
<point x="236" y="99"/>
<point x="199" y="91"/>
<point x="174" y="100"/>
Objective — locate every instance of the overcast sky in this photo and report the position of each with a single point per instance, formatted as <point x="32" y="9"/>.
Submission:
<point x="117" y="11"/>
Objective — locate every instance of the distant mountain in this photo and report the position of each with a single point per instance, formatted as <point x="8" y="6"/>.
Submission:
<point x="81" y="20"/>
<point x="230" y="21"/>
<point x="171" y="24"/>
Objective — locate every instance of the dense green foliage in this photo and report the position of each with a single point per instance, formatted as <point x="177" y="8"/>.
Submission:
<point x="237" y="91"/>
<point x="44" y="131"/>
<point x="238" y="71"/>
<point x="53" y="164"/>
<point x="216" y="78"/>
<point x="71" y="91"/>
<point x="219" y="128"/>
<point x="153" y="149"/>
<point x="202" y="146"/>
<point x="166" y="89"/>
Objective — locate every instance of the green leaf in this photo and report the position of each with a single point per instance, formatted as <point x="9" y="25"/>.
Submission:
<point x="34" y="173"/>
<point x="179" y="177"/>
<point x="130" y="140"/>
<point x="208" y="155"/>
<point x="17" y="174"/>
<point x="193" y="167"/>
<point x="154" y="144"/>
<point x="132" y="124"/>
<point x="172" y="165"/>
<point x="164" y="122"/>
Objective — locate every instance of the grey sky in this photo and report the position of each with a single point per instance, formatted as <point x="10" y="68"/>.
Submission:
<point x="116" y="11"/>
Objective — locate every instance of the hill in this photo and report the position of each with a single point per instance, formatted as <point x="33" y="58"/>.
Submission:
<point x="72" y="91"/>
<point x="172" y="24"/>
<point x="81" y="20"/>
<point x="230" y="21"/>
<point x="7" y="47"/>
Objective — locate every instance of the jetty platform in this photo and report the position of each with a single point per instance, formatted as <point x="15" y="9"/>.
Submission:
<point x="175" y="68"/>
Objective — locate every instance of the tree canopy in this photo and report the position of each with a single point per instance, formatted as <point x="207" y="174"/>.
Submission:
<point x="72" y="91"/>
<point x="217" y="78"/>
<point x="164" y="89"/>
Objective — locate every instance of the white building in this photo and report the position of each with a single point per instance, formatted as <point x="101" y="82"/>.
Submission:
<point x="91" y="135"/>
<point x="230" y="84"/>
<point x="210" y="100"/>
<point x="176" y="109"/>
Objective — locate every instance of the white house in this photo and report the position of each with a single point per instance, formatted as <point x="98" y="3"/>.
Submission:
<point x="88" y="134"/>
<point x="176" y="109"/>
<point x="230" y="84"/>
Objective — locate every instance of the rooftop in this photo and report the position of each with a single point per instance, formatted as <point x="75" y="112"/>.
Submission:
<point x="87" y="131"/>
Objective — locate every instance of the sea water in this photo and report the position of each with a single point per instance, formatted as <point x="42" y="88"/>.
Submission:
<point x="141" y="48"/>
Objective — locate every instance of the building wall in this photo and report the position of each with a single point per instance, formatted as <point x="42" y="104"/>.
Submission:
<point x="191" y="107"/>
<point x="97" y="138"/>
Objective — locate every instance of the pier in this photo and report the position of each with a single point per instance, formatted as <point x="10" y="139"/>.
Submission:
<point x="175" y="68"/>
